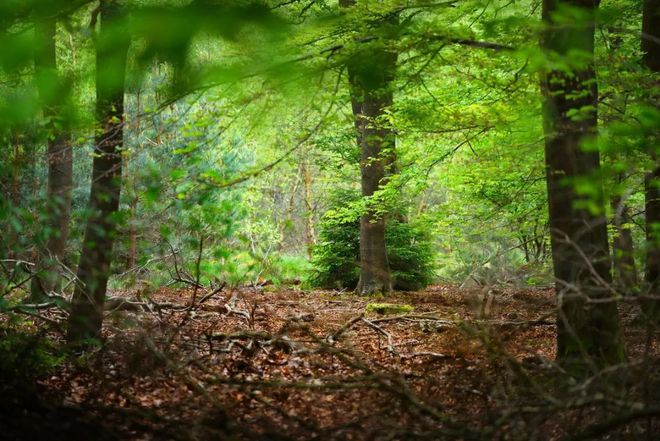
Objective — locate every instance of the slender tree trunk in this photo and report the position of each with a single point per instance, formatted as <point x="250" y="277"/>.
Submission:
<point x="132" y="252"/>
<point x="59" y="158"/>
<point x="134" y="199"/>
<point x="371" y="73"/>
<point x="288" y="224"/>
<point x="651" y="59"/>
<point x="310" y="233"/>
<point x="587" y="327"/>
<point x="86" y="314"/>
<point x="11" y="183"/>
<point x="623" y="252"/>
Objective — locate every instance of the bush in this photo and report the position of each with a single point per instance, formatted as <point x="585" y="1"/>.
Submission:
<point x="337" y="253"/>
<point x="26" y="355"/>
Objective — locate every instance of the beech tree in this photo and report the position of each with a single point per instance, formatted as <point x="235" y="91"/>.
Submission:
<point x="651" y="59"/>
<point x="58" y="156"/>
<point x="86" y="314"/>
<point x="587" y="324"/>
<point x="371" y="73"/>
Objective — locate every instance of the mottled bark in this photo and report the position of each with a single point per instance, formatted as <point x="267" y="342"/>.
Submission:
<point x="588" y="329"/>
<point x="59" y="159"/>
<point x="86" y="315"/>
<point x="371" y="73"/>
<point x="651" y="59"/>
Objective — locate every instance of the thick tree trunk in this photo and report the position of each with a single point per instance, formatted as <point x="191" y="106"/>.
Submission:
<point x="651" y="58"/>
<point x="60" y="162"/>
<point x="374" y="145"/>
<point x="371" y="75"/>
<point x="650" y="35"/>
<point x="86" y="315"/>
<point x="588" y="328"/>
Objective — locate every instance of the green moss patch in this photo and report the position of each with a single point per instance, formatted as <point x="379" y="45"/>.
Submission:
<point x="389" y="308"/>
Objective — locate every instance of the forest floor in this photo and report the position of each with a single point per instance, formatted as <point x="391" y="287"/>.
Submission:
<point x="277" y="364"/>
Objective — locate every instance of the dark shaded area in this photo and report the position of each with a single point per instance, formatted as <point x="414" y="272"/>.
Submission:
<point x="26" y="415"/>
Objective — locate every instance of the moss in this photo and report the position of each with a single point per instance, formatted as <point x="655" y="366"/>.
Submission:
<point x="388" y="308"/>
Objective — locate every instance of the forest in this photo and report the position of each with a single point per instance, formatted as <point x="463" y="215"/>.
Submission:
<point x="330" y="220"/>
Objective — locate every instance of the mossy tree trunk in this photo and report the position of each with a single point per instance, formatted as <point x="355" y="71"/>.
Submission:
<point x="86" y="314"/>
<point x="588" y="330"/>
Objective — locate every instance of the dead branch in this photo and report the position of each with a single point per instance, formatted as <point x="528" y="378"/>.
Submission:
<point x="378" y="329"/>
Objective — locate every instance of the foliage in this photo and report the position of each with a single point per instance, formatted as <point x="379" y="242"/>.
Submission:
<point x="25" y="353"/>
<point x="409" y="246"/>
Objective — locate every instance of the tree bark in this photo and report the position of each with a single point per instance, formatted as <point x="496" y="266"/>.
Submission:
<point x="371" y="75"/>
<point x="11" y="180"/>
<point x="651" y="59"/>
<point x="133" y="197"/>
<point x="86" y="314"/>
<point x="623" y="253"/>
<point x="310" y="233"/>
<point x="588" y="330"/>
<point x="59" y="159"/>
<point x="132" y="251"/>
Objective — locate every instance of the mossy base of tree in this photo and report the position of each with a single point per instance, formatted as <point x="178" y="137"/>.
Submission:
<point x="373" y="287"/>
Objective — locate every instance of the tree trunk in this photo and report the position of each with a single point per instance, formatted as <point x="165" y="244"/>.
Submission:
<point x="133" y="197"/>
<point x="371" y="74"/>
<point x="11" y="182"/>
<point x="588" y="330"/>
<point x="623" y="253"/>
<point x="132" y="251"/>
<point x="310" y="233"/>
<point x="59" y="158"/>
<point x="86" y="314"/>
<point x="651" y="59"/>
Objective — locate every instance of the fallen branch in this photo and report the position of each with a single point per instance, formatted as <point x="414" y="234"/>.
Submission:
<point x="375" y="327"/>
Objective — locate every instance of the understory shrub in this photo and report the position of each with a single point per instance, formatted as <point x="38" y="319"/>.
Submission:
<point x="25" y="354"/>
<point x="337" y="253"/>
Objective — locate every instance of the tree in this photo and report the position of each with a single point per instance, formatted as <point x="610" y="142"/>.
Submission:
<point x="651" y="59"/>
<point x="371" y="75"/>
<point x="623" y="253"/>
<point x="587" y="324"/>
<point x="59" y="158"/>
<point x="86" y="314"/>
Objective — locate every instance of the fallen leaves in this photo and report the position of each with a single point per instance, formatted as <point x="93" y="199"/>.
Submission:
<point x="309" y="364"/>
